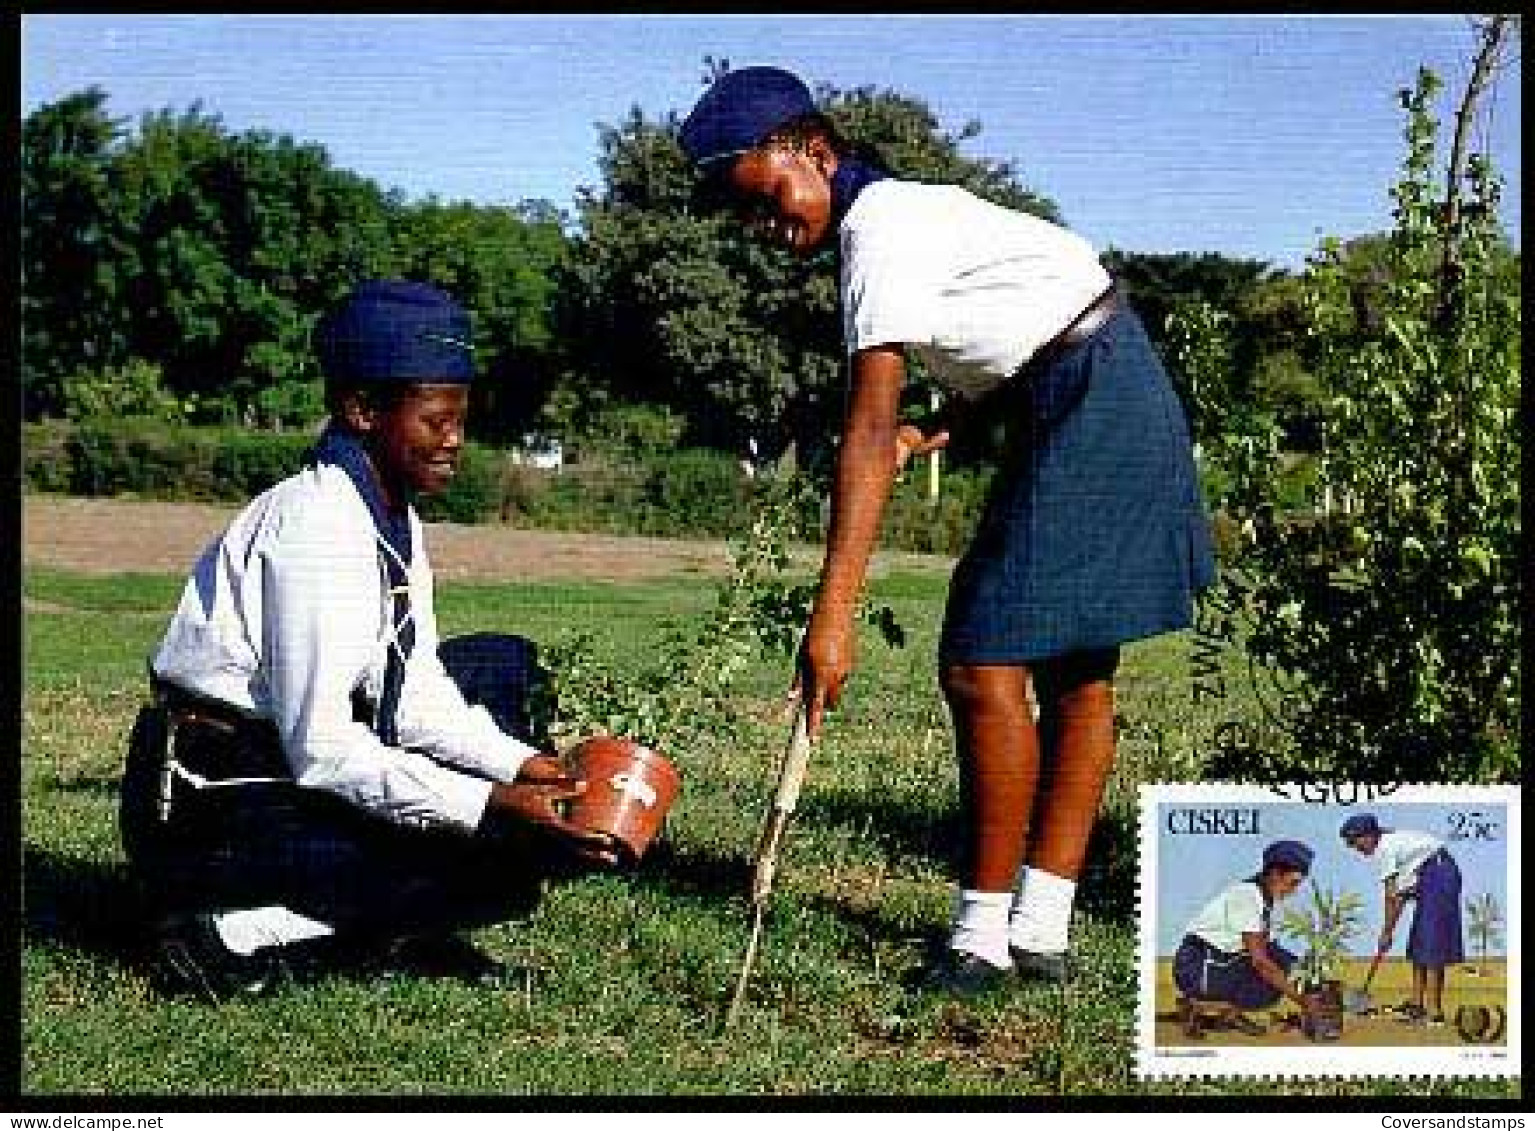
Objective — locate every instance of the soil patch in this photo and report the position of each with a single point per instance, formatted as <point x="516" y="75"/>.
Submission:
<point x="104" y="536"/>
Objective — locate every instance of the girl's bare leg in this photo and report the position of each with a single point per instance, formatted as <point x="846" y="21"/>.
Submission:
<point x="998" y="750"/>
<point x="1076" y="724"/>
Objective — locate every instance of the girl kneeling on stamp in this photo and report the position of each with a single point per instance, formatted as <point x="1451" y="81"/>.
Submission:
<point x="1227" y="962"/>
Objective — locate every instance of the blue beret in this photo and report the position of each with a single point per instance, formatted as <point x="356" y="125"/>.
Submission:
<point x="389" y="331"/>
<point x="740" y="109"/>
<point x="1360" y="824"/>
<point x="1288" y="854"/>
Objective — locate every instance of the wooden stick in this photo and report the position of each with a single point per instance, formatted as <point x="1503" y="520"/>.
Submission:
<point x="765" y="865"/>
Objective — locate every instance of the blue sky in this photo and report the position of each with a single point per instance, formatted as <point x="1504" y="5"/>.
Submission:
<point x="1192" y="868"/>
<point x="1250" y="136"/>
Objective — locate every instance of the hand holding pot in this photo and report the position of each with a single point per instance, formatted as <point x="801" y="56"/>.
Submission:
<point x="629" y="788"/>
<point x="542" y="784"/>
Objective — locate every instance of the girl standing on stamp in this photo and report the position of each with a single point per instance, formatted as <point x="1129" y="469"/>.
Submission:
<point x="1095" y="533"/>
<point x="1417" y="868"/>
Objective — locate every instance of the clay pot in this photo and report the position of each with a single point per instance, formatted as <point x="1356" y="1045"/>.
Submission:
<point x="1326" y="1024"/>
<point x="629" y="788"/>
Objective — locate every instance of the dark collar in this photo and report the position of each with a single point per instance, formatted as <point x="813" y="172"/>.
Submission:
<point x="340" y="447"/>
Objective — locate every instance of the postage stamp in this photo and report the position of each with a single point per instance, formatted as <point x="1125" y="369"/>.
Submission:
<point x="1323" y="931"/>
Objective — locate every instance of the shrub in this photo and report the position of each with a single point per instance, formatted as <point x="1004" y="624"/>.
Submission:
<point x="913" y="521"/>
<point x="145" y="456"/>
<point x="45" y="454"/>
<point x="694" y="492"/>
<point x="131" y="389"/>
<point x="141" y="456"/>
<point x="250" y="462"/>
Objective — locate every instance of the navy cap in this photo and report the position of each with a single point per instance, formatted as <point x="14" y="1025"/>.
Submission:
<point x="740" y="109"/>
<point x="1360" y="824"/>
<point x="1288" y="854"/>
<point x="389" y="331"/>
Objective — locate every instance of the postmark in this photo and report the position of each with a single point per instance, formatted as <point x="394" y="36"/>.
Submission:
<point x="1396" y="946"/>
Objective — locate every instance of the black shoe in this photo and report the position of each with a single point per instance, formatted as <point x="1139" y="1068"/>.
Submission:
<point x="965" y="975"/>
<point x="1241" y="1023"/>
<point x="449" y="956"/>
<point x="1040" y="966"/>
<point x="190" y="956"/>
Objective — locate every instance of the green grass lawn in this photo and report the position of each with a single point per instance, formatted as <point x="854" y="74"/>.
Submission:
<point x="627" y="976"/>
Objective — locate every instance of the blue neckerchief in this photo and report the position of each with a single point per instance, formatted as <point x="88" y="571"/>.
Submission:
<point x="340" y="447"/>
<point x="852" y="176"/>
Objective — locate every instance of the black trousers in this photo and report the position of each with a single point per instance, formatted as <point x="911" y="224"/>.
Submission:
<point x="1202" y="971"/>
<point x="253" y="845"/>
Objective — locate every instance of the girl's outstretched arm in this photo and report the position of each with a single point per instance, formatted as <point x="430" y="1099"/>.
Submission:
<point x="866" y="466"/>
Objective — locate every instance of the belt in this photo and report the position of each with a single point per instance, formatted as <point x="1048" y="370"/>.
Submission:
<point x="239" y="750"/>
<point x="1079" y="329"/>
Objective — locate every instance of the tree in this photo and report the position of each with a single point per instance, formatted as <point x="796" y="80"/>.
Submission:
<point x="241" y="240"/>
<point x="1385" y="609"/>
<point x="666" y="301"/>
<point x="1485" y="926"/>
<point x="1325" y="925"/>
<point x="501" y="263"/>
<point x="75" y="254"/>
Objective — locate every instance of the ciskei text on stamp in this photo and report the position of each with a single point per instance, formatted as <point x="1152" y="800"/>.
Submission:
<point x="1326" y="931"/>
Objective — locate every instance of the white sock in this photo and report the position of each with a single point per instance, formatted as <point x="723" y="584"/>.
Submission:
<point x="1041" y="913"/>
<point x="980" y="925"/>
<point x="250" y="929"/>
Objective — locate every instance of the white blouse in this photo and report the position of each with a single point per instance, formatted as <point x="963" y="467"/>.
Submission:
<point x="287" y="612"/>
<point x="974" y="289"/>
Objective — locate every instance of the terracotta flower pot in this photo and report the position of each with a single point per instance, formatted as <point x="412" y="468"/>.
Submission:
<point x="1326" y="1024"/>
<point x="629" y="788"/>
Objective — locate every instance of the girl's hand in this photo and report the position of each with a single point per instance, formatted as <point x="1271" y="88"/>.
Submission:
<point x="533" y="802"/>
<point x="911" y="441"/>
<point x="541" y="769"/>
<point x="826" y="659"/>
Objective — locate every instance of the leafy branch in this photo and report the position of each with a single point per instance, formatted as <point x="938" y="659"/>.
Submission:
<point x="684" y="692"/>
<point x="1325" y="926"/>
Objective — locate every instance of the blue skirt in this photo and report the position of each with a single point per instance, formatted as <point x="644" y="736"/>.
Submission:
<point x="1096" y="532"/>
<point x="1435" y="939"/>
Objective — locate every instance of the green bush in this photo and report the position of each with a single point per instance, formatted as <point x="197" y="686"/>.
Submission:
<point x="141" y="456"/>
<point x="692" y="493"/>
<point x="157" y="459"/>
<point x="695" y="492"/>
<point x="913" y="521"/>
<point x="46" y="460"/>
<point x="250" y="462"/>
<point x="132" y="389"/>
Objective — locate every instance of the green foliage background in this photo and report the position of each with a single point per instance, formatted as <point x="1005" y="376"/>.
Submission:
<point x="1384" y="604"/>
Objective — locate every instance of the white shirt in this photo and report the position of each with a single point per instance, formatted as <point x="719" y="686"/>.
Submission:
<point x="1401" y="852"/>
<point x="287" y="612"/>
<point x="1237" y="910"/>
<point x="974" y="289"/>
